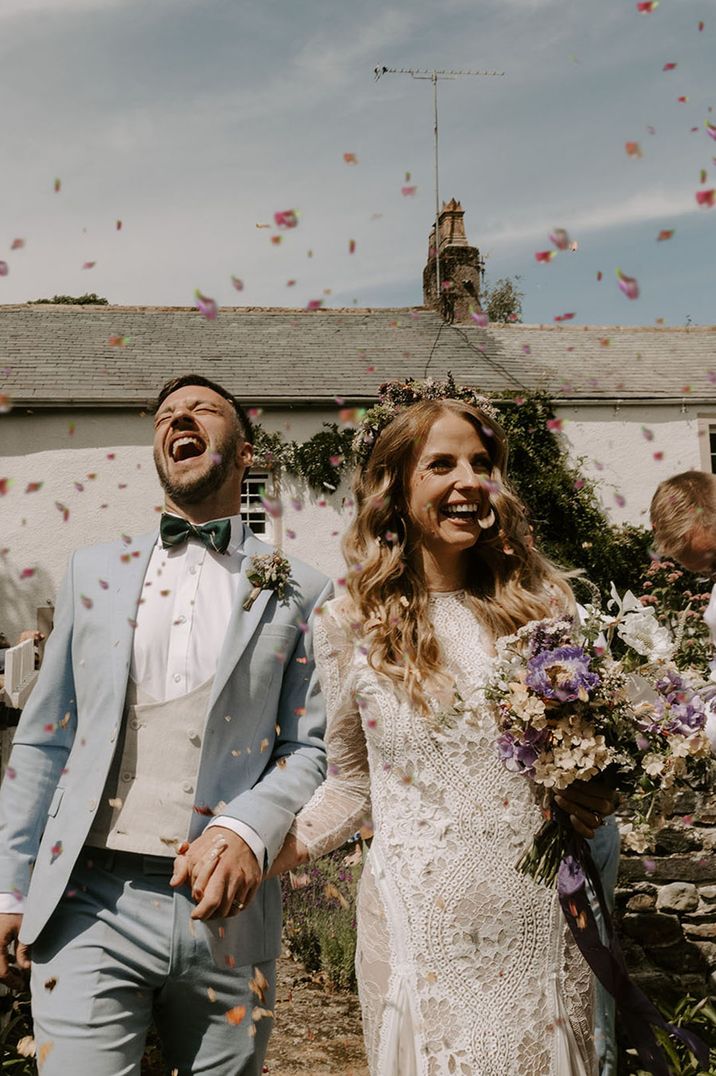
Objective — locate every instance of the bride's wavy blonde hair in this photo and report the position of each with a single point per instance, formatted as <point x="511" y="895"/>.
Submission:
<point x="509" y="582"/>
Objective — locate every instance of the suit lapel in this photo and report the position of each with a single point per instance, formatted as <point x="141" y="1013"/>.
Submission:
<point x="126" y="577"/>
<point x="243" y="623"/>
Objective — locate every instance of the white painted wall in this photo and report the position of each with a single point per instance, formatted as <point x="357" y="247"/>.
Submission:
<point x="125" y="497"/>
<point x="619" y="455"/>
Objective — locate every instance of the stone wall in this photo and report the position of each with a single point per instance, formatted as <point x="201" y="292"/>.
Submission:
<point x="666" y="904"/>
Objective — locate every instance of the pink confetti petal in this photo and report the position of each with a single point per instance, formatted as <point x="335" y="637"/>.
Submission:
<point x="4" y="268"/>
<point x="57" y="186"/>
<point x="408" y="192"/>
<point x="17" y="244"/>
<point x="351" y="246"/>
<point x="286" y="218"/>
<point x="350" y="158"/>
<point x="644" y="7"/>
<point x="706" y="198"/>
<point x="619" y="500"/>
<point x="88" y="265"/>
<point x="665" y="233"/>
<point x="238" y="283"/>
<point x="480" y="318"/>
<point x="633" y="149"/>
<point x="314" y="304"/>
<point x="628" y="285"/>
<point x="554" y="424"/>
<point x="668" y="67"/>
<point x="560" y="238"/>
<point x="564" y="317"/>
<point x="207" y="307"/>
<point x="545" y="255"/>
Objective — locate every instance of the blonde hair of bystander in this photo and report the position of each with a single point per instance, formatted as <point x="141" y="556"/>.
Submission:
<point x="680" y="505"/>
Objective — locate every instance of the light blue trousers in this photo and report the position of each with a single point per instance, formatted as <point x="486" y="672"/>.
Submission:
<point x="605" y="852"/>
<point x="121" y="950"/>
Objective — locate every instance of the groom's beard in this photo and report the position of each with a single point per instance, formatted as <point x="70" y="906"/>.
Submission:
<point x="195" y="487"/>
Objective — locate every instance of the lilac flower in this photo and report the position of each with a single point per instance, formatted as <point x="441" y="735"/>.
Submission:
<point x="519" y="756"/>
<point x="562" y="674"/>
<point x="548" y="634"/>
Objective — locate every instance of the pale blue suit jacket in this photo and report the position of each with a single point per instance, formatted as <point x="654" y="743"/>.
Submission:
<point x="265" y="691"/>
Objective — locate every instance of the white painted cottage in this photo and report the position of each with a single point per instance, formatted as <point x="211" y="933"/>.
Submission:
<point x="76" y="465"/>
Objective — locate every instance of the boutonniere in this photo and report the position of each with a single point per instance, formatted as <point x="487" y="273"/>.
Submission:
<point x="268" y="571"/>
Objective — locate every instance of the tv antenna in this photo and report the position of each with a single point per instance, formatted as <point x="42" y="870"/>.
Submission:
<point x="435" y="77"/>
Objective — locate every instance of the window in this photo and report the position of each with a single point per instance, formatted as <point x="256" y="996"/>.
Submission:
<point x="712" y="448"/>
<point x="252" y="510"/>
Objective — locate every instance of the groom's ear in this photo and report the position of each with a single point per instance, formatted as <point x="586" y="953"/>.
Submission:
<point x="244" y="454"/>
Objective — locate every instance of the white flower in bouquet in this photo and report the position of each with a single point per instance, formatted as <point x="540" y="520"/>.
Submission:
<point x="638" y="627"/>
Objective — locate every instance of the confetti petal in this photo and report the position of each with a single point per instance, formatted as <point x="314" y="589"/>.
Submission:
<point x="665" y="233"/>
<point x="88" y="265"/>
<point x="480" y="318"/>
<point x="350" y="158"/>
<point x="57" y="186"/>
<point x="17" y="244"/>
<point x="560" y="238"/>
<point x="545" y="255"/>
<point x="633" y="149"/>
<point x="644" y="7"/>
<point x="4" y="268"/>
<point x="238" y="283"/>
<point x="351" y="246"/>
<point x="668" y="67"/>
<point x="236" y="1015"/>
<point x="706" y="198"/>
<point x="628" y="285"/>
<point x="207" y="307"/>
<point x="286" y="218"/>
<point x="564" y="317"/>
<point x="408" y="192"/>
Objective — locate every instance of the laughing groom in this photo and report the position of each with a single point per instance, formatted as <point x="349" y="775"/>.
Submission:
<point x="174" y="731"/>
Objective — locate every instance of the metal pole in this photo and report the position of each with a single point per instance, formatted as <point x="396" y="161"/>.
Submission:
<point x="437" y="191"/>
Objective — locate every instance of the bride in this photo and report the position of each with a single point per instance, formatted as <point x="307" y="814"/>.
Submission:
<point x="464" y="965"/>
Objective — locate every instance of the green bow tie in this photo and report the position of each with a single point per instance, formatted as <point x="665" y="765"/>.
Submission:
<point x="215" y="535"/>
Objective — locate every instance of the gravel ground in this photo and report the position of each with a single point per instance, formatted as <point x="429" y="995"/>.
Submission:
<point x="317" y="1030"/>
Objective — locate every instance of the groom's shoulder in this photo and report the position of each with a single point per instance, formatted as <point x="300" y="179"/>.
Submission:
<point x="124" y="546"/>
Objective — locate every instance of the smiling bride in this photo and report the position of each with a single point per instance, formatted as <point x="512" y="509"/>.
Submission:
<point x="464" y="964"/>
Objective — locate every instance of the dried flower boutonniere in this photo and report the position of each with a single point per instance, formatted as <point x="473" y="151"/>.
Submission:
<point x="268" y="571"/>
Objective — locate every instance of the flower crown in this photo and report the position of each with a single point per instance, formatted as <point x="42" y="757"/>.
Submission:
<point x="395" y="396"/>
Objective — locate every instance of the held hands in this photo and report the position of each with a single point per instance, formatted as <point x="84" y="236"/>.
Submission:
<point x="12" y="973"/>
<point x="586" y="803"/>
<point x="222" y="871"/>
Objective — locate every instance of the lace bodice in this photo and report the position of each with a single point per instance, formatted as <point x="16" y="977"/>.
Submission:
<point x="481" y="947"/>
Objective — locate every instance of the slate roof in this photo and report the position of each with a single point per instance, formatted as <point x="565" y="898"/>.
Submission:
<point x="61" y="355"/>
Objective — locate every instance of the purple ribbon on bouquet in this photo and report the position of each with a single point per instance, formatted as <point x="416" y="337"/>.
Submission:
<point x="607" y="962"/>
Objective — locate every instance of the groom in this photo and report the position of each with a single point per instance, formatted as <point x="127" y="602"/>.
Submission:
<point x="170" y="739"/>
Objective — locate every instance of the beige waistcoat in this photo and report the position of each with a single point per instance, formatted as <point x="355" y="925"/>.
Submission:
<point x="149" y="795"/>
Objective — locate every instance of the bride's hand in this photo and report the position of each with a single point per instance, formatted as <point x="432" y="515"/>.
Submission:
<point x="587" y="803"/>
<point x="292" y="854"/>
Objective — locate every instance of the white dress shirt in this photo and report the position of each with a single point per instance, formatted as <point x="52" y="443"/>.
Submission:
<point x="182" y="620"/>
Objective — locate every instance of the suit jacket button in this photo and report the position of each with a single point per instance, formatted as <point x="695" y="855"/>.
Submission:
<point x="126" y="776"/>
<point x="92" y="804"/>
<point x="188" y="786"/>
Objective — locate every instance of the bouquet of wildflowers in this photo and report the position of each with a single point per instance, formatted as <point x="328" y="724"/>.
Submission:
<point x="577" y="700"/>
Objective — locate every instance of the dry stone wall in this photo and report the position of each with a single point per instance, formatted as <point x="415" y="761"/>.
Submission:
<point x="666" y="904"/>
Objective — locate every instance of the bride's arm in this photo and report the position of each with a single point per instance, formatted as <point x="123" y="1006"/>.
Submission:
<point x="341" y="804"/>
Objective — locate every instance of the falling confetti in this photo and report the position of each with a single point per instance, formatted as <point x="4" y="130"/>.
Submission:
<point x="480" y="318"/>
<point x="87" y="602"/>
<point x="55" y="851"/>
<point x="668" y="67"/>
<point x="644" y="7"/>
<point x="64" y="510"/>
<point x="560" y="238"/>
<point x="290" y="283"/>
<point x="276" y="239"/>
<point x="286" y="218"/>
<point x="207" y="307"/>
<point x="648" y="434"/>
<point x="701" y="26"/>
<point x="554" y="425"/>
<point x="633" y="149"/>
<point x="683" y="100"/>
<point x="4" y="486"/>
<point x="600" y="275"/>
<point x="27" y="573"/>
<point x="706" y="198"/>
<point x="408" y="192"/>
<point x="57" y="186"/>
<point x="17" y="244"/>
<point x="5" y="404"/>
<point x="88" y="265"/>
<point x="4" y="268"/>
<point x="33" y="487"/>
<point x="235" y="1016"/>
<point x="314" y="304"/>
<point x="351" y="246"/>
<point x="350" y="158"/>
<point x="665" y="233"/>
<point x="238" y="283"/>
<point x="118" y="225"/>
<point x="545" y="255"/>
<point x="628" y="285"/>
<point x="565" y="317"/>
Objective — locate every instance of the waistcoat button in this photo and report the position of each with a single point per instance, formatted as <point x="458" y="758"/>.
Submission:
<point x="134" y="723"/>
<point x="126" y="776"/>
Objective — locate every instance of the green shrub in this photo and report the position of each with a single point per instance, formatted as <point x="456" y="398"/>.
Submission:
<point x="679" y="599"/>
<point x="699" y="1016"/>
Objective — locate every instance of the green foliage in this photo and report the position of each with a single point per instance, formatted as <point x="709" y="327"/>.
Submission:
<point x="89" y="299"/>
<point x="271" y="451"/>
<point x="319" y="916"/>
<point x="699" y="1016"/>
<point x="322" y="459"/>
<point x="570" y="524"/>
<point x="503" y="301"/>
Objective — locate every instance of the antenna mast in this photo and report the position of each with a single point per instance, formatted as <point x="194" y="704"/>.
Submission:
<point x="435" y="77"/>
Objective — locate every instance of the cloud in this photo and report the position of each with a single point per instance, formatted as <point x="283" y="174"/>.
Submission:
<point x="655" y="205"/>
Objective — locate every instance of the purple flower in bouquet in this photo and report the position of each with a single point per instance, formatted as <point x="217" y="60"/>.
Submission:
<point x="562" y="674"/>
<point x="549" y="634"/>
<point x="687" y="713"/>
<point x="520" y="754"/>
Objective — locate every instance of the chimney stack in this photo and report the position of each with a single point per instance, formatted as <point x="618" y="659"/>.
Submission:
<point x="461" y="268"/>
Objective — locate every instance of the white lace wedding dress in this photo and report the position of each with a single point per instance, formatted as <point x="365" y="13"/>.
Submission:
<point x="464" y="965"/>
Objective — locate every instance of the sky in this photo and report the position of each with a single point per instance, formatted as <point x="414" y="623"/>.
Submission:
<point x="194" y="122"/>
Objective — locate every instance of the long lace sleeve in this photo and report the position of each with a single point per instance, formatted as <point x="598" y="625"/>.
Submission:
<point x="341" y="804"/>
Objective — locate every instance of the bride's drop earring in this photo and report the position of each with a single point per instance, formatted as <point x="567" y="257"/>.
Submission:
<point x="487" y="521"/>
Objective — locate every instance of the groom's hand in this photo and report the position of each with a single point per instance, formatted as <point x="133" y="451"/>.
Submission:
<point x="11" y="973"/>
<point x="222" y="871"/>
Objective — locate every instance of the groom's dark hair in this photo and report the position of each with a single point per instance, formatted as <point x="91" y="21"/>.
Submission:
<point x="174" y="383"/>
